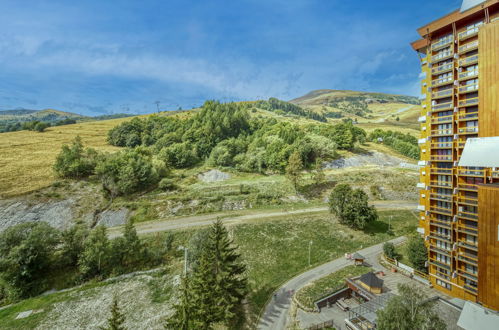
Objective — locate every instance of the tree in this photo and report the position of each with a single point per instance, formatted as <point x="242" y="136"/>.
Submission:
<point x="294" y="169"/>
<point x="94" y="259"/>
<point x="41" y="126"/>
<point x="218" y="283"/>
<point x="182" y="317"/>
<point x="26" y="254"/>
<point x="409" y="310"/>
<point x="73" y="240"/>
<point x="75" y="161"/>
<point x="116" y="320"/>
<point x="389" y="250"/>
<point x="417" y="253"/>
<point x="127" y="251"/>
<point x="351" y="206"/>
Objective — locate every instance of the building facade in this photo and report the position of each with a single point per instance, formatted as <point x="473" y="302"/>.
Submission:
<point x="460" y="100"/>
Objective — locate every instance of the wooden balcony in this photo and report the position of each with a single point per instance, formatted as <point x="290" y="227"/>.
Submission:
<point x="442" y="158"/>
<point x="441" y="197"/>
<point x="442" y="94"/>
<point x="437" y="263"/>
<point x="465" y="89"/>
<point x="441" y="184"/>
<point x="443" y="106"/>
<point x="442" y="119"/>
<point x="468" y="75"/>
<point x="441" y="210"/>
<point x="468" y="47"/>
<point x="469" y="102"/>
<point x="441" y="171"/>
<point x="470" y="289"/>
<point x="468" y="33"/>
<point x="442" y="56"/>
<point x="442" y="43"/>
<point x="495" y="174"/>
<point x="467" y="229"/>
<point x="442" y="132"/>
<point x="467" y="201"/>
<point x="442" y="68"/>
<point x="467" y="275"/>
<point x="441" y="145"/>
<point x="467" y="215"/>
<point x="468" y="130"/>
<point x="467" y="186"/>
<point x="467" y="245"/>
<point x="470" y="172"/>
<point x="470" y="60"/>
<point x="440" y="250"/>
<point x="463" y="116"/>
<point x="468" y="256"/>
<point x="460" y="144"/>
<point x="441" y="237"/>
<point x="442" y="81"/>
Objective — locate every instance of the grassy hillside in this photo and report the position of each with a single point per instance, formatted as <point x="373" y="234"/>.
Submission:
<point x="364" y="107"/>
<point x="48" y="115"/>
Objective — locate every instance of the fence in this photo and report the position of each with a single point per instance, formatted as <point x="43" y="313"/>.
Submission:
<point x="327" y="324"/>
<point x="414" y="273"/>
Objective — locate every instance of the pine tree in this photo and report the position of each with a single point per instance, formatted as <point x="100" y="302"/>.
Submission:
<point x="230" y="281"/>
<point x="115" y="322"/>
<point x="294" y="168"/>
<point x="319" y="176"/>
<point x="182" y="318"/>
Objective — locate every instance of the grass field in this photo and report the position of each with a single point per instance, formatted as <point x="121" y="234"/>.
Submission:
<point x="26" y="157"/>
<point x="327" y="285"/>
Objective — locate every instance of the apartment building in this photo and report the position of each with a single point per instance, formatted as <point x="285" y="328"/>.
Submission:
<point x="459" y="205"/>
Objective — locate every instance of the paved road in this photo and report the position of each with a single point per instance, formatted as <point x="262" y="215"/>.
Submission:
<point x="233" y="217"/>
<point x="277" y="310"/>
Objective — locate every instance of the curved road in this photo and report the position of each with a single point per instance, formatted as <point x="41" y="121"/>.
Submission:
<point x="277" y="310"/>
<point x="234" y="217"/>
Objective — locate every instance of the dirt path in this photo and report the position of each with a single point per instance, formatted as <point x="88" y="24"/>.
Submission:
<point x="234" y="217"/>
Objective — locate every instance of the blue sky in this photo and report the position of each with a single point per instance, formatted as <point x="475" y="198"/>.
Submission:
<point x="95" y="57"/>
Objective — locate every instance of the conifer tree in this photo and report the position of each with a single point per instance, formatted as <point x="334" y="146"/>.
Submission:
<point x="115" y="322"/>
<point x="182" y="319"/>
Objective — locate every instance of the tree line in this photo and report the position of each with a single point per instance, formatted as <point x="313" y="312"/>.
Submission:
<point x="406" y="144"/>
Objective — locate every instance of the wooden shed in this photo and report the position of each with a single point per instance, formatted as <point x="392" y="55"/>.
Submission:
<point x="358" y="259"/>
<point x="371" y="283"/>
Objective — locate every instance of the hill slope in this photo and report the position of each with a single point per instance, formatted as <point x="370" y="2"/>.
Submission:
<point x="364" y="107"/>
<point x="48" y="115"/>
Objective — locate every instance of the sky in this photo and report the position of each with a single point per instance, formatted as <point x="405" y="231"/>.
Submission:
<point x="101" y="57"/>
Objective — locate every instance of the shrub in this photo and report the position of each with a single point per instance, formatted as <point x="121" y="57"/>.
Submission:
<point x="127" y="172"/>
<point x="74" y="161"/>
<point x="389" y="250"/>
<point x="26" y="253"/>
<point x="417" y="253"/>
<point x="167" y="184"/>
<point x="40" y="127"/>
<point x="351" y="206"/>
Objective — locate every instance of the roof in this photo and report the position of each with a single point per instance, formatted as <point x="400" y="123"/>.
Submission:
<point x="468" y="4"/>
<point x="481" y="152"/>
<point x="371" y="280"/>
<point x="475" y="316"/>
<point x="358" y="256"/>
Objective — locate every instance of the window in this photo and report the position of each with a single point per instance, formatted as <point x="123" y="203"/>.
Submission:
<point x="444" y="284"/>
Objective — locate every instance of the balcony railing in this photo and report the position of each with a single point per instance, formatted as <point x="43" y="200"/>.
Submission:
<point x="468" y="60"/>
<point x="468" y="130"/>
<point x="468" y="88"/>
<point x="495" y="174"/>
<point x="439" y="263"/>
<point x="469" y="276"/>
<point x="442" y="56"/>
<point x="469" y="46"/>
<point x="441" y="209"/>
<point x="467" y="245"/>
<point x="468" y="74"/>
<point x="444" y="184"/>
<point x="471" y="289"/>
<point x="441" y="197"/>
<point x="467" y="215"/>
<point x="441" y="171"/>
<point x="443" y="106"/>
<point x="467" y="229"/>
<point x="468" y="186"/>
<point x="442" y="68"/>
<point x="442" y="81"/>
<point x="468" y="33"/>
<point x="441" y="158"/>
<point x="468" y="116"/>
<point x="440" y="237"/>
<point x="460" y="144"/>
<point x="442" y="119"/>
<point x="441" y="145"/>
<point x="467" y="201"/>
<point x="440" y="250"/>
<point x="442" y="94"/>
<point x="442" y="132"/>
<point x="442" y="43"/>
<point x="469" y="102"/>
<point x="469" y="172"/>
<point x="440" y="223"/>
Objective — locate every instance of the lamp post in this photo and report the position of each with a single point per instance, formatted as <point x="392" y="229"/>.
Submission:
<point x="309" y="252"/>
<point x="185" y="258"/>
